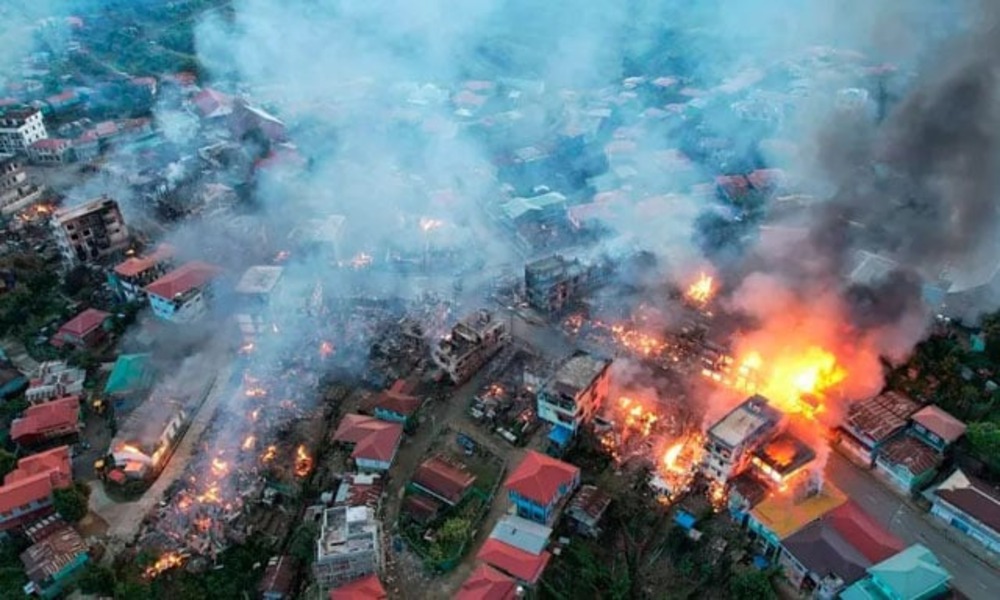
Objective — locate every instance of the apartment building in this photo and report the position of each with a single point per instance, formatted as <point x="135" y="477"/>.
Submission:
<point x="16" y="190"/>
<point x="256" y="290"/>
<point x="183" y="295"/>
<point x="572" y="396"/>
<point x="20" y="128"/>
<point x="90" y="232"/>
<point x="348" y="547"/>
<point x="473" y="341"/>
<point x="731" y="441"/>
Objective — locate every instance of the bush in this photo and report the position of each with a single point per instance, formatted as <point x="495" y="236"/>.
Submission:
<point x="70" y="503"/>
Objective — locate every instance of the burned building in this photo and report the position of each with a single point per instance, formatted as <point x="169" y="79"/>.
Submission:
<point x="90" y="232"/>
<point x="16" y="190"/>
<point x="256" y="290"/>
<point x="20" y="128"/>
<point x="555" y="282"/>
<point x="782" y="458"/>
<point x="348" y="547"/>
<point x="473" y="341"/>
<point x="572" y="396"/>
<point x="731" y="441"/>
<point x="147" y="436"/>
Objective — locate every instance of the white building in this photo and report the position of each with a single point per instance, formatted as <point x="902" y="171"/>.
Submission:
<point x="183" y="295"/>
<point x="55" y="379"/>
<point x="576" y="392"/>
<point x="348" y="547"/>
<point x="146" y="437"/>
<point x="731" y="441"/>
<point x="256" y="290"/>
<point x="90" y="232"/>
<point x="472" y="342"/>
<point x="16" y="190"/>
<point x="51" y="151"/>
<point x="20" y="128"/>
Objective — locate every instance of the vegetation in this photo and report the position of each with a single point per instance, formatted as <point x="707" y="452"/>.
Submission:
<point x="72" y="502"/>
<point x="8" y="461"/>
<point x="12" y="577"/>
<point x="35" y="300"/>
<point x="303" y="542"/>
<point x="984" y="441"/>
<point x="97" y="580"/>
<point x="751" y="584"/>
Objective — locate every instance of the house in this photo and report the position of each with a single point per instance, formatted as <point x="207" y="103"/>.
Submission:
<point x="247" y="120"/>
<point x="486" y="583"/>
<point x="211" y="104"/>
<point x="969" y="505"/>
<point x="936" y="428"/>
<point x="360" y="489"/>
<point x="907" y="463"/>
<point x="472" y="342"/>
<point x="26" y="493"/>
<point x="55" y="379"/>
<point x="280" y="578"/>
<point x="587" y="508"/>
<point x="17" y="190"/>
<point x="83" y="332"/>
<point x="835" y="550"/>
<point x="913" y="574"/>
<point x="349" y="546"/>
<point x="443" y="479"/>
<point x="258" y="292"/>
<point x="554" y="282"/>
<point x="523" y="566"/>
<point x="395" y="404"/>
<point x="52" y="562"/>
<point x="182" y="295"/>
<point x="147" y="436"/>
<point x="546" y="208"/>
<point x="577" y="390"/>
<point x="781" y="514"/>
<point x="130" y="378"/>
<point x="20" y="128"/>
<point x="43" y="422"/>
<point x="522" y="534"/>
<point x="366" y="588"/>
<point x="129" y="278"/>
<point x="90" y="232"/>
<point x="731" y="441"/>
<point x="374" y="442"/>
<point x="539" y="484"/>
<point x="873" y="422"/>
<point x="422" y="509"/>
<point x="51" y="151"/>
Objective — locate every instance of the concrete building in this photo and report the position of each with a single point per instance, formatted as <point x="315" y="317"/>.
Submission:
<point x="129" y="278"/>
<point x="257" y="292"/>
<point x="473" y="341"/>
<point x="349" y="546"/>
<point x="26" y="494"/>
<point x="42" y="423"/>
<point x="51" y="151"/>
<point x="731" y="442"/>
<point x="913" y="574"/>
<point x="16" y="190"/>
<point x="553" y="283"/>
<point x="969" y="505"/>
<point x="779" y="516"/>
<point x="90" y="232"/>
<point x="572" y="396"/>
<point x="19" y="129"/>
<point x="183" y="295"/>
<point x="539" y="485"/>
<point x="55" y="379"/>
<point x="147" y="436"/>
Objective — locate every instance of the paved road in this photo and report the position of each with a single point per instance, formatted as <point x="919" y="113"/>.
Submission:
<point x="125" y="518"/>
<point x="972" y="576"/>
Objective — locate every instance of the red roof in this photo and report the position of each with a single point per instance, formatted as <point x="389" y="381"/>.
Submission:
<point x="864" y="533"/>
<point x="48" y="417"/>
<point x="35" y="478"/>
<point x="486" y="583"/>
<point x="138" y="264"/>
<point x="366" y="588"/>
<point x="84" y="323"/>
<point x="373" y="439"/>
<point x="766" y="179"/>
<point x="525" y="566"/>
<point x="940" y="423"/>
<point x="911" y="454"/>
<point x="211" y="103"/>
<point x="402" y="404"/>
<point x="539" y="477"/>
<point x="184" y="278"/>
<point x="105" y="128"/>
<point x="734" y="186"/>
<point x="447" y="480"/>
<point x="50" y="144"/>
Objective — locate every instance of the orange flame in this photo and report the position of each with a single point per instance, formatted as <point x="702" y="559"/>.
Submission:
<point x="249" y="442"/>
<point x="701" y="291"/>
<point x="247" y="348"/>
<point x="325" y="349"/>
<point x="219" y="467"/>
<point x="303" y="462"/>
<point x="170" y="560"/>
<point x="255" y="392"/>
<point x="269" y="454"/>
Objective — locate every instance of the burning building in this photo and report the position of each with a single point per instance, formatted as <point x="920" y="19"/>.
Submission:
<point x="349" y="546"/>
<point x="90" y="232"/>
<point x="256" y="289"/>
<point x="731" y="442"/>
<point x="146" y="438"/>
<point x="555" y="282"/>
<point x="473" y="341"/>
<point x="782" y="458"/>
<point x="572" y="396"/>
<point x="16" y="190"/>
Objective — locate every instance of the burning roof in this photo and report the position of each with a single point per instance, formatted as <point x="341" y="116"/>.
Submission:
<point x="139" y="264"/>
<point x="747" y="420"/>
<point x="783" y="456"/>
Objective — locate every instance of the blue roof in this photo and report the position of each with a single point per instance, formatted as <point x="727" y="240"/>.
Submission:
<point x="132" y="372"/>
<point x="685" y="519"/>
<point x="560" y="435"/>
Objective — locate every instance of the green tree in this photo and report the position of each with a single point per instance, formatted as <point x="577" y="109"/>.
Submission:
<point x="97" y="580"/>
<point x="71" y="503"/>
<point x="454" y="530"/>
<point x="303" y="541"/>
<point x="8" y="461"/>
<point x="984" y="440"/>
<point x="751" y="585"/>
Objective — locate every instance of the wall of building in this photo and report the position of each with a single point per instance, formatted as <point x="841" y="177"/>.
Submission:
<point x="967" y="525"/>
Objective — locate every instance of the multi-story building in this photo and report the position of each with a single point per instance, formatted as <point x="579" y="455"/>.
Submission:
<point x="576" y="392"/>
<point x="129" y="278"/>
<point x="90" y="232"/>
<point x="554" y="282"/>
<point x="55" y="379"/>
<point x="473" y="341"/>
<point x="51" y="151"/>
<point x="731" y="442"/>
<point x="20" y="128"/>
<point x="43" y="423"/>
<point x="16" y="190"/>
<point x="26" y="493"/>
<point x="348" y="547"/>
<point x="540" y="485"/>
<point x="183" y="295"/>
<point x="256" y="290"/>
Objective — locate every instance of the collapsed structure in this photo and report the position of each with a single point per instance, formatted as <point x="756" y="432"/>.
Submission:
<point x="90" y="232"/>
<point x="471" y="343"/>
<point x="349" y="546"/>
<point x="257" y="290"/>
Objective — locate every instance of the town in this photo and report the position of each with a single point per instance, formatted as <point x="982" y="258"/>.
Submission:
<point x="386" y="325"/>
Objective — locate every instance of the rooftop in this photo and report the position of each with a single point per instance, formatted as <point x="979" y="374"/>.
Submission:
<point x="444" y="478"/>
<point x="912" y="573"/>
<point x="48" y="557"/>
<point x="785" y="513"/>
<point x="347" y="530"/>
<point x="940" y="423"/>
<point x="578" y="373"/>
<point x="881" y="416"/>
<point x="910" y="453"/>
<point x="84" y="323"/>
<point x="35" y="478"/>
<point x="131" y="372"/>
<point x="974" y="497"/>
<point x="538" y="477"/>
<point x="486" y="583"/>
<point x="785" y="455"/>
<point x="373" y="439"/>
<point x="522" y="534"/>
<point x="402" y="404"/>
<point x="589" y="503"/>
<point x="748" y="419"/>
<point x="366" y="588"/>
<point x="140" y="264"/>
<point x="517" y="208"/>
<point x="523" y="565"/>
<point x="49" y="416"/>
<point x="259" y="279"/>
<point x="187" y="277"/>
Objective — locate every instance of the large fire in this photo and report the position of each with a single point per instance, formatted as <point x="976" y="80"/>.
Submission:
<point x="169" y="560"/>
<point x="701" y="291"/>
<point x="303" y="462"/>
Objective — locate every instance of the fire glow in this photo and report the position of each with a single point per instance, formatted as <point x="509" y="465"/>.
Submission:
<point x="325" y="349"/>
<point x="702" y="290"/>
<point x="170" y="560"/>
<point x="303" y="462"/>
